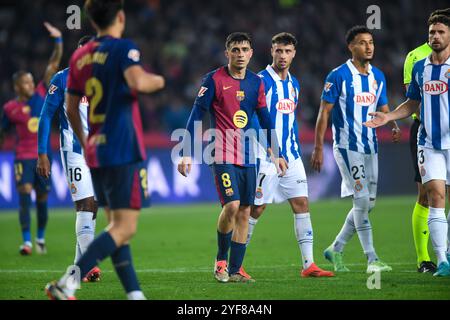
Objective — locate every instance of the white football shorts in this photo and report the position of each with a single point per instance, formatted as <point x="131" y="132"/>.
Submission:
<point x="433" y="164"/>
<point x="273" y="189"/>
<point x="359" y="172"/>
<point x="78" y="175"/>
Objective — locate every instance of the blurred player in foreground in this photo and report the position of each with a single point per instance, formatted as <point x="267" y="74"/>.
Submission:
<point x="108" y="71"/>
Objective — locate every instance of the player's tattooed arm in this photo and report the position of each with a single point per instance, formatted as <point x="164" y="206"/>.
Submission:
<point x="55" y="59"/>
<point x="319" y="135"/>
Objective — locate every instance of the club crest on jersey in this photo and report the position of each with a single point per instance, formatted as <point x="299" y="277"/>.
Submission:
<point x="327" y="86"/>
<point x="73" y="189"/>
<point x="240" y="95"/>
<point x="240" y="119"/>
<point x="285" y="106"/>
<point x="364" y="99"/>
<point x="423" y="172"/>
<point x="358" y="186"/>
<point x="293" y="93"/>
<point x="447" y="74"/>
<point x="258" y="193"/>
<point x="26" y="109"/>
<point x="52" y="89"/>
<point x="201" y="92"/>
<point x="375" y="85"/>
<point x="435" y="87"/>
<point x="33" y="124"/>
<point x="229" y="192"/>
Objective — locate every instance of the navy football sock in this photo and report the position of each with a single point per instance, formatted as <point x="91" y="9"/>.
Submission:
<point x="42" y="218"/>
<point x="24" y="215"/>
<point x="223" y="242"/>
<point x="123" y="264"/>
<point x="236" y="256"/>
<point x="102" y="247"/>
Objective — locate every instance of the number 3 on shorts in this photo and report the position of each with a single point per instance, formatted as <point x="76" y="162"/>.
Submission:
<point x="226" y="180"/>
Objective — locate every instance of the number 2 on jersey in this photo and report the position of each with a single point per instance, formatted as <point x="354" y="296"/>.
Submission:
<point x="94" y="91"/>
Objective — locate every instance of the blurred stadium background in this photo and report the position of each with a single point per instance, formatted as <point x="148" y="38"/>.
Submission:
<point x="183" y="40"/>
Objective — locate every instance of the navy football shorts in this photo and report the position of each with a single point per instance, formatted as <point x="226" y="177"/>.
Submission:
<point x="25" y="172"/>
<point x="235" y="183"/>
<point x="122" y="186"/>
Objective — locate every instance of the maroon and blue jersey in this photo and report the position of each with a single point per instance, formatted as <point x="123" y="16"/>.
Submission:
<point x="231" y="103"/>
<point x="97" y="71"/>
<point x="25" y="117"/>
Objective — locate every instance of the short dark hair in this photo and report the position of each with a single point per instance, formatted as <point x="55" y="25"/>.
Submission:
<point x="445" y="12"/>
<point x="354" y="31"/>
<point x="238" y="37"/>
<point x="439" y="18"/>
<point x="18" y="75"/>
<point x="84" y="39"/>
<point x="285" y="38"/>
<point x="103" y="12"/>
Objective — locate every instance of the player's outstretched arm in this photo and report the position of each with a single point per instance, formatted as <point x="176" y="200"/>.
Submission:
<point x="396" y="132"/>
<point x="404" y="110"/>
<point x="73" y="113"/>
<point x="55" y="59"/>
<point x="140" y="80"/>
<point x="319" y="134"/>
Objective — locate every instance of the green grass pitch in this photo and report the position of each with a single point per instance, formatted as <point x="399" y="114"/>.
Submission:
<point x="175" y="247"/>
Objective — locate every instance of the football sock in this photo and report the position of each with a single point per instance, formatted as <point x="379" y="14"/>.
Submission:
<point x="251" y="226"/>
<point x="223" y="242"/>
<point x="237" y="254"/>
<point x="85" y="231"/>
<point x="42" y="218"/>
<point x="437" y="223"/>
<point x="363" y="227"/>
<point x="421" y="232"/>
<point x="102" y="247"/>
<point x="136" y="295"/>
<point x="304" y="234"/>
<point x="24" y="216"/>
<point x="123" y="264"/>
<point x="346" y="233"/>
<point x="448" y="234"/>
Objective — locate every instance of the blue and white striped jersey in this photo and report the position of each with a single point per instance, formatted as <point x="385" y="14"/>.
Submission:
<point x="282" y="100"/>
<point x="430" y="86"/>
<point x="354" y="95"/>
<point x="54" y="101"/>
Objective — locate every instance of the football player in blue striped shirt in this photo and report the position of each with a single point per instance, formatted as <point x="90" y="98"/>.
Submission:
<point x="351" y="92"/>
<point x="429" y="90"/>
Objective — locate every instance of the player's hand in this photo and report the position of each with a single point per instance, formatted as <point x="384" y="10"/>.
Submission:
<point x="184" y="167"/>
<point x="396" y="135"/>
<point x="43" y="166"/>
<point x="54" y="32"/>
<point x="317" y="159"/>
<point x="379" y="119"/>
<point x="281" y="165"/>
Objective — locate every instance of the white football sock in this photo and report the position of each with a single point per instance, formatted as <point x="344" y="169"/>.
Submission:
<point x="448" y="234"/>
<point x="136" y="295"/>
<point x="346" y="233"/>
<point x="304" y="235"/>
<point x="251" y="225"/>
<point x="437" y="223"/>
<point x="85" y="230"/>
<point x="363" y="227"/>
